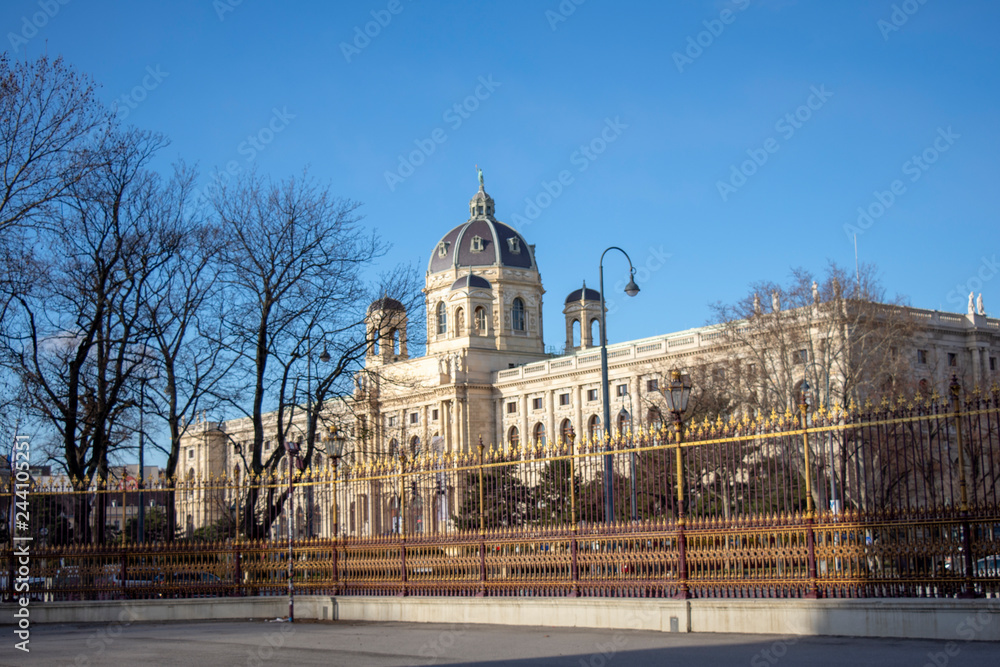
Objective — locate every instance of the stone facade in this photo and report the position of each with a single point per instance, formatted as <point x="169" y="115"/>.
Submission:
<point x="485" y="374"/>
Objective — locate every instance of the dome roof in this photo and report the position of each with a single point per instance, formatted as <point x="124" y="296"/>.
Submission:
<point x="471" y="281"/>
<point x="481" y="241"/>
<point x="386" y="303"/>
<point x="583" y="294"/>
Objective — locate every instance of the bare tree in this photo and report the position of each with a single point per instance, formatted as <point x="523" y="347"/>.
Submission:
<point x="187" y="347"/>
<point x="81" y="330"/>
<point x="48" y="118"/>
<point x="841" y="335"/>
<point x="293" y="267"/>
<point x="49" y="115"/>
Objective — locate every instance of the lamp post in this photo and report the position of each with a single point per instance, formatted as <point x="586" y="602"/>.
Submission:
<point x="310" y="433"/>
<point x="631" y="428"/>
<point x="333" y="444"/>
<point x="631" y="289"/>
<point x="294" y="463"/>
<point x="142" y="476"/>
<point x="677" y="395"/>
<point x="834" y="503"/>
<point x="143" y="380"/>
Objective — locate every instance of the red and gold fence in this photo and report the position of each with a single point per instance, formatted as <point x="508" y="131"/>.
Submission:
<point x="898" y="499"/>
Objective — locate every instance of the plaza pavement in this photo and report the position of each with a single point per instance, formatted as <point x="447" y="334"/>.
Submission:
<point x="220" y="644"/>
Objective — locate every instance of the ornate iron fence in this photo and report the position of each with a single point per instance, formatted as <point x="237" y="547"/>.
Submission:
<point x="898" y="499"/>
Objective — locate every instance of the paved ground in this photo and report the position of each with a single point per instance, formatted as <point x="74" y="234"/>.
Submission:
<point x="354" y="643"/>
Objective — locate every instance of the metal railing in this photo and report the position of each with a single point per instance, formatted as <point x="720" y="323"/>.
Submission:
<point x="898" y="499"/>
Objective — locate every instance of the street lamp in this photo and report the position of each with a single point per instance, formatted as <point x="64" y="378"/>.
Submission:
<point x="294" y="463"/>
<point x="677" y="394"/>
<point x="631" y="289"/>
<point x="310" y="432"/>
<point x="631" y="429"/>
<point x="834" y="502"/>
<point x="333" y="446"/>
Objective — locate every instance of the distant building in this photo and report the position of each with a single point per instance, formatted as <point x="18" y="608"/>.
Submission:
<point x="485" y="373"/>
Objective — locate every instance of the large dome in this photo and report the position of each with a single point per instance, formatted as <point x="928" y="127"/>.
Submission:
<point x="481" y="241"/>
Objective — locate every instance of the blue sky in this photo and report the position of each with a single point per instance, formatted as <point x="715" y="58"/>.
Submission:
<point x="645" y="109"/>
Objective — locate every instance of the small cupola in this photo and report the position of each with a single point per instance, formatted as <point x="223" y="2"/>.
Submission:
<point x="481" y="204"/>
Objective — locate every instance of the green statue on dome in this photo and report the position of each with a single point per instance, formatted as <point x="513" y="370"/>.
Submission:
<point x="480" y="172"/>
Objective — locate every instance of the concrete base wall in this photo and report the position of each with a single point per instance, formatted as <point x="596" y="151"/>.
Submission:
<point x="959" y="620"/>
<point x="201" y="609"/>
<point x="956" y="620"/>
<point x="612" y="613"/>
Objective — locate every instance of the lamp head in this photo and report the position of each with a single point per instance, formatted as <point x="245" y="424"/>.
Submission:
<point x="631" y="289"/>
<point x="678" y="392"/>
<point x="334" y="443"/>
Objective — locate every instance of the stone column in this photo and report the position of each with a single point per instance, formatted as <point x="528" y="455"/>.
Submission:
<point x="551" y="436"/>
<point x="525" y="435"/>
<point x="498" y="424"/>
<point x="638" y="416"/>
<point x="578" y="424"/>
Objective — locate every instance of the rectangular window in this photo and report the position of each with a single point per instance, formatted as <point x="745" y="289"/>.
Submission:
<point x="434" y="414"/>
<point x="921" y="356"/>
<point x="390" y="421"/>
<point x="190" y="452"/>
<point x="952" y="359"/>
<point x="536" y="404"/>
<point x="414" y="417"/>
<point x="591" y="394"/>
<point x="652" y="385"/>
<point x="621" y="390"/>
<point x="993" y="363"/>
<point x="801" y="356"/>
<point x="563" y="399"/>
<point x="512" y="407"/>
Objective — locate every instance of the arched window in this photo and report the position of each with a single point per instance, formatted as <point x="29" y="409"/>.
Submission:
<point x="595" y="332"/>
<point x="393" y="448"/>
<point x="623" y="422"/>
<point x="394" y="337"/>
<point x="594" y="428"/>
<point x="576" y="333"/>
<point x="513" y="436"/>
<point x="442" y="317"/>
<point x="460" y="322"/>
<point x="538" y="434"/>
<point x="517" y="315"/>
<point x="415" y="445"/>
<point x="480" y="320"/>
<point x="564" y="430"/>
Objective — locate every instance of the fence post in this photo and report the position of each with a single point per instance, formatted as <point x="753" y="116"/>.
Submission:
<point x="683" y="592"/>
<point x="336" y="530"/>
<point x="812" y="591"/>
<point x="11" y="524"/>
<point x="123" y="571"/>
<point x="402" y="526"/>
<point x="968" y="592"/>
<point x="482" y="527"/>
<point x="574" y="567"/>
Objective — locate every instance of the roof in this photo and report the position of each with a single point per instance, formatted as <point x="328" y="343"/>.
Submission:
<point x="386" y="303"/>
<point x="481" y="241"/>
<point x="583" y="294"/>
<point x="471" y="281"/>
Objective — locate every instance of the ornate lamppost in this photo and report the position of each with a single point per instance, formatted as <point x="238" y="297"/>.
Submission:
<point x="333" y="446"/>
<point x="294" y="464"/>
<point x="677" y="395"/>
<point x="631" y="289"/>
